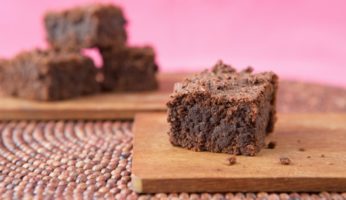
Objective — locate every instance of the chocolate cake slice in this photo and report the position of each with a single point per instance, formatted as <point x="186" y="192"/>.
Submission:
<point x="94" y="25"/>
<point x="129" y="69"/>
<point x="48" y="75"/>
<point x="222" y="110"/>
<point x="3" y="62"/>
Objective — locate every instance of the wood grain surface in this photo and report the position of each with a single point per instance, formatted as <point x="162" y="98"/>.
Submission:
<point x="159" y="167"/>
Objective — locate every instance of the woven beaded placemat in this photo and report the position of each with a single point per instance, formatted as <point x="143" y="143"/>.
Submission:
<point x="84" y="160"/>
<point x="92" y="159"/>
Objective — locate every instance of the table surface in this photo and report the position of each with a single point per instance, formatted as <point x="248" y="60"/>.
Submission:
<point x="92" y="159"/>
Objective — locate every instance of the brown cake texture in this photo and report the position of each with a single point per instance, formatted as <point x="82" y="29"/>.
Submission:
<point x="222" y="110"/>
<point x="129" y="69"/>
<point x="3" y="62"/>
<point x="95" y="25"/>
<point x="48" y="75"/>
<point x="2" y="65"/>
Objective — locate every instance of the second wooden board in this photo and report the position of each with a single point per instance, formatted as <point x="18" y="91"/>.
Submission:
<point x="100" y="106"/>
<point x="316" y="144"/>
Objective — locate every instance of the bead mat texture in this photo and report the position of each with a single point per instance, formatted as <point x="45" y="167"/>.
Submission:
<point x="92" y="159"/>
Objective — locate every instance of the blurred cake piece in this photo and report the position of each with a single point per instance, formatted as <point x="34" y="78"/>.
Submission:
<point x="48" y="75"/>
<point x="129" y="69"/>
<point x="95" y="25"/>
<point x="3" y="62"/>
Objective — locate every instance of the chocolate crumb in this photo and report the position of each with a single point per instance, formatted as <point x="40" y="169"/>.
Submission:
<point x="285" y="161"/>
<point x="301" y="149"/>
<point x="322" y="156"/>
<point x="232" y="160"/>
<point x="251" y="150"/>
<point x="271" y="145"/>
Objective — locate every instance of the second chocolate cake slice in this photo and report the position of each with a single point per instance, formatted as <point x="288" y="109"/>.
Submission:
<point x="222" y="110"/>
<point x="48" y="75"/>
<point x="94" y="25"/>
<point x="129" y="69"/>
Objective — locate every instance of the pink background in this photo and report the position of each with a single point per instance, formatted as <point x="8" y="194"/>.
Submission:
<point x="300" y="39"/>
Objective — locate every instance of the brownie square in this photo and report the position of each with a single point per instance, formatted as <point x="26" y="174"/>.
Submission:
<point x="3" y="62"/>
<point x="129" y="69"/>
<point x="2" y="65"/>
<point x="95" y="25"/>
<point x="222" y="110"/>
<point x="48" y="75"/>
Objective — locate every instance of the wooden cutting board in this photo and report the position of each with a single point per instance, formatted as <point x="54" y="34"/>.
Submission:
<point x="101" y="106"/>
<point x="159" y="167"/>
